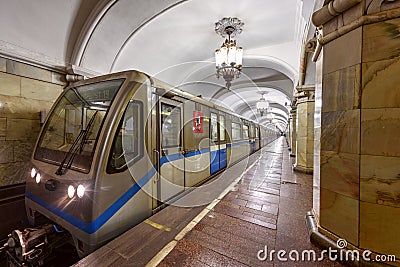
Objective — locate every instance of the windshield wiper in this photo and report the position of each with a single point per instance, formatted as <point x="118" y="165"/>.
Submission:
<point x="76" y="146"/>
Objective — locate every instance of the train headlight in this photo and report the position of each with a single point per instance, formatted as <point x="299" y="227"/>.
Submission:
<point x="71" y="191"/>
<point x="80" y="191"/>
<point x="33" y="172"/>
<point x="38" y="177"/>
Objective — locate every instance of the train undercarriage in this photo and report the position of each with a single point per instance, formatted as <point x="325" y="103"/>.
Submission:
<point x="36" y="246"/>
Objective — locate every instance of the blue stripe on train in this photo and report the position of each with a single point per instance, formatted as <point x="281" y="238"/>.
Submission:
<point x="91" y="227"/>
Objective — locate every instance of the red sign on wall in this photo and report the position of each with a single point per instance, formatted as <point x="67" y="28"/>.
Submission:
<point x="197" y="122"/>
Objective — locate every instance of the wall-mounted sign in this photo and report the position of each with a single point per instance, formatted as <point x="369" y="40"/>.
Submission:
<point x="197" y="122"/>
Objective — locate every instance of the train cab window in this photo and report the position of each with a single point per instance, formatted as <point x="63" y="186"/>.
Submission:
<point x="126" y="146"/>
<point x="236" y="131"/>
<point x="245" y="131"/>
<point x="74" y="125"/>
<point x="171" y="125"/>
<point x="222" y="128"/>
<point x="214" y="127"/>
<point x="251" y="131"/>
<point x="257" y="132"/>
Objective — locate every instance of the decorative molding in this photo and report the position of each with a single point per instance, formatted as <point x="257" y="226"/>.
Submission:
<point x="364" y="20"/>
<point x="23" y="55"/>
<point x="331" y="10"/>
<point x="72" y="69"/>
<point x="88" y="28"/>
<point x="229" y="26"/>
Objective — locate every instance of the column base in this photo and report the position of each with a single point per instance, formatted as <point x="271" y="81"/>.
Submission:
<point x="326" y="240"/>
<point x="302" y="169"/>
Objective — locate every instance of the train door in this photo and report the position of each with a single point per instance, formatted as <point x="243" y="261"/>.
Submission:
<point x="214" y="143"/>
<point x="170" y="142"/>
<point x="222" y="142"/>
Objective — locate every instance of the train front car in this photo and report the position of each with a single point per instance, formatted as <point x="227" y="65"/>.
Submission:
<point x="68" y="184"/>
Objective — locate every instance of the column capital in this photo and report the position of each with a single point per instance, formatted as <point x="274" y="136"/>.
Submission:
<point x="305" y="93"/>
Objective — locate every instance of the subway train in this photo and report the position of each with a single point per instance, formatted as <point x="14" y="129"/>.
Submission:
<point x="113" y="150"/>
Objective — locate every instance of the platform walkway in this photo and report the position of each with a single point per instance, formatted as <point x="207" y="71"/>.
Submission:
<point x="258" y="202"/>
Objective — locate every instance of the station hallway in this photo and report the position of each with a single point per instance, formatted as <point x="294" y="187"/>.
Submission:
<point x="200" y="133"/>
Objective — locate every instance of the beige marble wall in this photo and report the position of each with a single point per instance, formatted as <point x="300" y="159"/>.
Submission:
<point x="340" y="136"/>
<point x="380" y="142"/>
<point x="24" y="92"/>
<point x="360" y="126"/>
<point x="305" y="135"/>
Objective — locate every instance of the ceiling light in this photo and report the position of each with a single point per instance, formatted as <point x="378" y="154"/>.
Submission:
<point x="262" y="105"/>
<point x="228" y="58"/>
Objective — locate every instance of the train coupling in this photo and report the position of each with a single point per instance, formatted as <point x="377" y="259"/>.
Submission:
<point x="32" y="246"/>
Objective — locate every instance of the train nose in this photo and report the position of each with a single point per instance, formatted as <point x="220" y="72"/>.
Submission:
<point x="51" y="184"/>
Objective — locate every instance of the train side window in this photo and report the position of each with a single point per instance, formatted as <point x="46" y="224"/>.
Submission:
<point x="245" y="131"/>
<point x="214" y="127"/>
<point x="236" y="131"/>
<point x="126" y="147"/>
<point x="222" y="128"/>
<point x="171" y="125"/>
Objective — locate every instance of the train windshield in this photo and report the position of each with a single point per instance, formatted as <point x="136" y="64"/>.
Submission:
<point x="71" y="132"/>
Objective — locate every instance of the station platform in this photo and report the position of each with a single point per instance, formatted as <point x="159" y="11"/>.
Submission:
<point x="257" y="204"/>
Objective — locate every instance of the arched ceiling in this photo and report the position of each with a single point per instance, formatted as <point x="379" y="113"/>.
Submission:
<point x="173" y="40"/>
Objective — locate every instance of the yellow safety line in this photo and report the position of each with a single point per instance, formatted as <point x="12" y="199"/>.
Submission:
<point x="157" y="226"/>
<point x="170" y="246"/>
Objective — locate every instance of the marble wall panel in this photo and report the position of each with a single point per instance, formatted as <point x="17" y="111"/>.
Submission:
<point x="331" y="26"/>
<point x="22" y="108"/>
<point x="3" y="127"/>
<point x="310" y="160"/>
<point x="380" y="180"/>
<point x="381" y="84"/>
<point x="22" y="129"/>
<point x="340" y="173"/>
<point x="342" y="89"/>
<point x="302" y="132"/>
<point x="379" y="132"/>
<point x="301" y="151"/>
<point x="10" y="84"/>
<point x="387" y="5"/>
<point x="39" y="90"/>
<point x="24" y="70"/>
<point x="339" y="214"/>
<point x="381" y="41"/>
<point x="13" y="173"/>
<point x="3" y="64"/>
<point x="23" y="150"/>
<point x="379" y="228"/>
<point x="352" y="14"/>
<point x="6" y="152"/>
<point x="340" y="131"/>
<point x="294" y="134"/>
<point x="343" y="52"/>
<point x="301" y="115"/>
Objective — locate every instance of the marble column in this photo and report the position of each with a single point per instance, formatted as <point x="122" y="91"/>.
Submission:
<point x="293" y="116"/>
<point x="305" y="130"/>
<point x="360" y="125"/>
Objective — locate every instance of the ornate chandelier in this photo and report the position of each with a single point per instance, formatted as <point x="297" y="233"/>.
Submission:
<point x="228" y="58"/>
<point x="262" y="105"/>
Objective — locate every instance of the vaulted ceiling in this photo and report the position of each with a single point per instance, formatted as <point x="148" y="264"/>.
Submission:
<point x="170" y="39"/>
